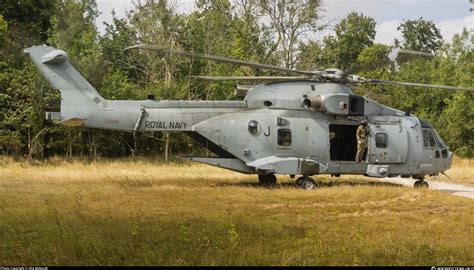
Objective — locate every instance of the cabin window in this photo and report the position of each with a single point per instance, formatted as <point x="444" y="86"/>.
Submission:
<point x="428" y="138"/>
<point x="381" y="140"/>
<point x="284" y="137"/>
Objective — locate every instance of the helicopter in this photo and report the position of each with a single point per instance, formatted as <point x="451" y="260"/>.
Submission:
<point x="301" y="125"/>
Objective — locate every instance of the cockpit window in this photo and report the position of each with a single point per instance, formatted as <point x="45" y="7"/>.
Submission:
<point x="428" y="138"/>
<point x="432" y="140"/>
<point x="438" y="139"/>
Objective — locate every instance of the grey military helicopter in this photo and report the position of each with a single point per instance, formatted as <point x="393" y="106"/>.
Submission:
<point x="303" y="125"/>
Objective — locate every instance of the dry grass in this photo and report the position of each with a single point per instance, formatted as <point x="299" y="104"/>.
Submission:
<point x="145" y="213"/>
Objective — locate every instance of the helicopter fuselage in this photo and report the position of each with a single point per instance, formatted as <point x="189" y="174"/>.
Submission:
<point x="273" y="131"/>
<point x="301" y="127"/>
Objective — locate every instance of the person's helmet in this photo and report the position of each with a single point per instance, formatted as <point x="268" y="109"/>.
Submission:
<point x="364" y="122"/>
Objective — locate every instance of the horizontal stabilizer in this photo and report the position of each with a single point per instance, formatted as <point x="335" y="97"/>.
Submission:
<point x="73" y="122"/>
<point x="55" y="57"/>
<point x="53" y="116"/>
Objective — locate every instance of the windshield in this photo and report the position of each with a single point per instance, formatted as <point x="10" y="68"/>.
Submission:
<point x="438" y="139"/>
<point x="432" y="139"/>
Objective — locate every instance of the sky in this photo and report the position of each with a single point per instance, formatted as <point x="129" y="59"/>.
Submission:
<point x="448" y="15"/>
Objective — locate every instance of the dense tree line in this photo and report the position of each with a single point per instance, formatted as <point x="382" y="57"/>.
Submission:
<point x="269" y="31"/>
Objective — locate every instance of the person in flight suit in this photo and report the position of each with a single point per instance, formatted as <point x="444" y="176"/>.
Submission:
<point x="361" y="135"/>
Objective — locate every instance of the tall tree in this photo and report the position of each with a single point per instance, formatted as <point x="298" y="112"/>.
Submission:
<point x="374" y="62"/>
<point x="157" y="22"/>
<point x="290" y="22"/>
<point x="32" y="15"/>
<point x="118" y="36"/>
<point x="352" y="35"/>
<point x="3" y="37"/>
<point x="21" y="86"/>
<point x="420" y="35"/>
<point x="251" y="40"/>
<point x="73" y="30"/>
<point x="457" y="119"/>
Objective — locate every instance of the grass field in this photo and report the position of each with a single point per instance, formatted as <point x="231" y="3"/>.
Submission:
<point x="142" y="213"/>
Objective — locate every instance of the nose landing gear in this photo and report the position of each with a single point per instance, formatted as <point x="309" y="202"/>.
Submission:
<point x="267" y="179"/>
<point x="421" y="183"/>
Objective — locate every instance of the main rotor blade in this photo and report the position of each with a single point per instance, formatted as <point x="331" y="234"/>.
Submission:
<point x="395" y="54"/>
<point x="220" y="59"/>
<point x="404" y="54"/>
<point x="250" y="78"/>
<point x="455" y="88"/>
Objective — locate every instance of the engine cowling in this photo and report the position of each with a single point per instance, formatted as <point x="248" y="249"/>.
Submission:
<point x="342" y="104"/>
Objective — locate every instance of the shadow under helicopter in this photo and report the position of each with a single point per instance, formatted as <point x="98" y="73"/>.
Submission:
<point x="320" y="184"/>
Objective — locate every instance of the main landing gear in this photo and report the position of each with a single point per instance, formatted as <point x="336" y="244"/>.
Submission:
<point x="267" y="179"/>
<point x="306" y="182"/>
<point x="421" y="183"/>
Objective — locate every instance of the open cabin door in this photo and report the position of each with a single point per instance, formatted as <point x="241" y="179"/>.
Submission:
<point x="342" y="140"/>
<point x="388" y="143"/>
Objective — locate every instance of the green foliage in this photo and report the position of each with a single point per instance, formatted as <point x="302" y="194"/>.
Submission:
<point x="21" y="114"/>
<point x="74" y="31"/>
<point x="420" y="35"/>
<point x="374" y="62"/>
<point x="3" y="29"/>
<point x="313" y="56"/>
<point x="375" y="56"/>
<point x="117" y="86"/>
<point x="458" y="124"/>
<point x="33" y="15"/>
<point x="118" y="36"/>
<point x="353" y="34"/>
<point x="3" y="34"/>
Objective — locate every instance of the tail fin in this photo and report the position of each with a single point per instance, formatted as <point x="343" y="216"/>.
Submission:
<point x="79" y="99"/>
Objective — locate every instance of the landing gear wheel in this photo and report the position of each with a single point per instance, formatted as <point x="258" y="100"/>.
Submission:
<point x="421" y="184"/>
<point x="300" y="181"/>
<point x="267" y="179"/>
<point x="306" y="183"/>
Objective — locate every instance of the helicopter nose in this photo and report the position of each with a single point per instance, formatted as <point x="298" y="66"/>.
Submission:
<point x="450" y="158"/>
